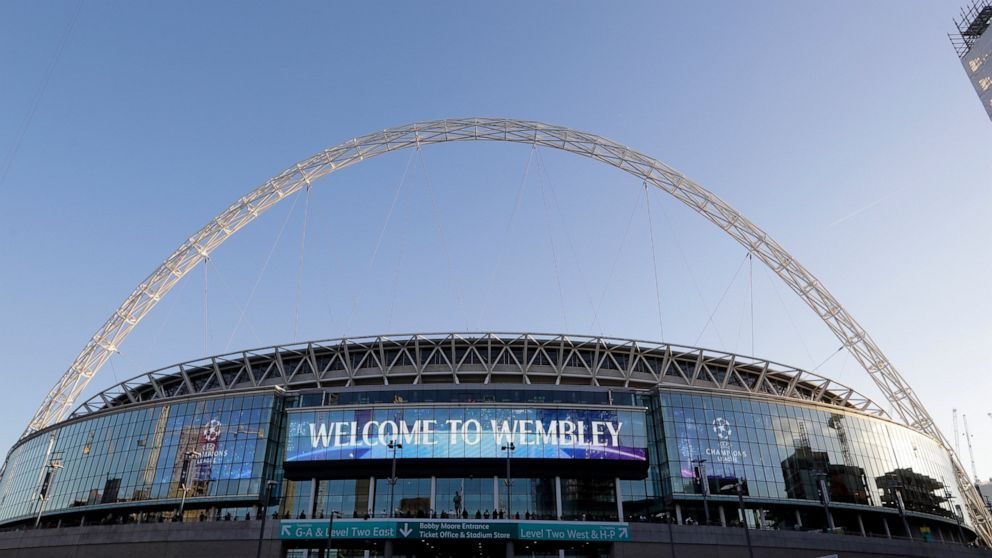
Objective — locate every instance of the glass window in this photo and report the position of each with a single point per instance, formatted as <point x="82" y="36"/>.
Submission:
<point x="787" y="451"/>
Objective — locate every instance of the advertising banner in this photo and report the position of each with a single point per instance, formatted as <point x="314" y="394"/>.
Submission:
<point x="711" y="437"/>
<point x="465" y="433"/>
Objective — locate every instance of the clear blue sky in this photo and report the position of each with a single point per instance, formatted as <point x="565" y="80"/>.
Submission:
<point x="847" y="130"/>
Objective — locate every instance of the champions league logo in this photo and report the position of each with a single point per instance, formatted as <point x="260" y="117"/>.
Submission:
<point x="209" y="447"/>
<point x="725" y="452"/>
<point x="212" y="430"/>
<point x="721" y="427"/>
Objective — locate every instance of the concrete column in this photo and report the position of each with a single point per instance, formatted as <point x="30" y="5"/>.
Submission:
<point x="678" y="513"/>
<point x="313" y="498"/>
<point x="495" y="493"/>
<point x="312" y="513"/>
<point x="387" y="549"/>
<point x="799" y="519"/>
<point x="509" y="549"/>
<point x="433" y="494"/>
<point x="940" y="533"/>
<point x="885" y="523"/>
<point x="723" y="516"/>
<point x="558" y="497"/>
<point x="371" y="506"/>
<point x="861" y="525"/>
<point x="619" y="500"/>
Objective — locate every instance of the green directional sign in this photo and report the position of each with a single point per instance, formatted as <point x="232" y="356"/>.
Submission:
<point x="459" y="530"/>
<point x="573" y="531"/>
<point x="454" y="529"/>
<point x="302" y="529"/>
<point x="363" y="529"/>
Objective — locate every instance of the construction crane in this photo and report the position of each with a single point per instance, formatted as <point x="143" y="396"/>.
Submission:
<point x="957" y="435"/>
<point x="836" y="422"/>
<point x="971" y="452"/>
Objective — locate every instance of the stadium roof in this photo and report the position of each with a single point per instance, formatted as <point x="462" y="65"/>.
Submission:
<point x="479" y="358"/>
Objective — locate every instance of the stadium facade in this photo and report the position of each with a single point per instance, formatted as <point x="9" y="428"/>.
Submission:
<point x="485" y="444"/>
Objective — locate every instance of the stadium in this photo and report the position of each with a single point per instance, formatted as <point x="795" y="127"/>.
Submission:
<point x="486" y="443"/>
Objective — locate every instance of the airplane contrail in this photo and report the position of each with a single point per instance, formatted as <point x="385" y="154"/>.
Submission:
<point x="859" y="211"/>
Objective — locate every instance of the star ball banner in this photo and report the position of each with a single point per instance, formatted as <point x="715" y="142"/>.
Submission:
<point x="466" y="433"/>
<point x="710" y="436"/>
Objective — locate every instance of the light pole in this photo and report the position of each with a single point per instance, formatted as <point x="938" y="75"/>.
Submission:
<point x="330" y="527"/>
<point x="671" y="537"/>
<point x="508" y="448"/>
<point x="264" y="512"/>
<point x="393" y="445"/>
<point x="704" y="486"/>
<point x="739" y="486"/>
<point x="54" y="464"/>
<point x="184" y="478"/>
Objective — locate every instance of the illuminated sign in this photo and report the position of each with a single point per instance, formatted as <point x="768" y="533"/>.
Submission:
<point x="713" y="440"/>
<point x="208" y="450"/>
<point x="437" y="432"/>
<point x="212" y="446"/>
<point x="426" y="529"/>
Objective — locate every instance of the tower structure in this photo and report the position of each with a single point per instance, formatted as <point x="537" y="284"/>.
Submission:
<point x="973" y="44"/>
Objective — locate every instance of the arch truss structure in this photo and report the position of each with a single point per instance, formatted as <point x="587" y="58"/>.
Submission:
<point x="198" y="247"/>
<point x="481" y="358"/>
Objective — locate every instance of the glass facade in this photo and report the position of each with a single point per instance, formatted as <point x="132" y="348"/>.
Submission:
<point x="789" y="451"/>
<point x="220" y="447"/>
<point x="409" y="497"/>
<point x="348" y="497"/>
<point x="378" y="395"/>
<point x="679" y="442"/>
<point x="485" y="497"/>
<point x="534" y="496"/>
<point x="460" y="496"/>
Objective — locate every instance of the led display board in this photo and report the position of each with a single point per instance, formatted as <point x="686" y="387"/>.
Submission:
<point x="712" y="436"/>
<point x="466" y="433"/>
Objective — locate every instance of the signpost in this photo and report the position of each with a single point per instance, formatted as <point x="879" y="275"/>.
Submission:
<point x="433" y="529"/>
<point x="573" y="531"/>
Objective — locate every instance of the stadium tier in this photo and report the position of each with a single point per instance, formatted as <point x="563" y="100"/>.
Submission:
<point x="469" y="439"/>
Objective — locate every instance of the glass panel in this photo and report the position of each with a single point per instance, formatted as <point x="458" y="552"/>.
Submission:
<point x="409" y="497"/>
<point x="781" y="450"/>
<point x="592" y="499"/>
<point x="209" y="447"/>
<point x="464" y="497"/>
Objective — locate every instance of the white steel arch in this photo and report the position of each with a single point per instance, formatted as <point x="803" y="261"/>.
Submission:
<point x="854" y="337"/>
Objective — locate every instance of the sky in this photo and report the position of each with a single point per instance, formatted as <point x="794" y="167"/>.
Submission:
<point x="846" y="130"/>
